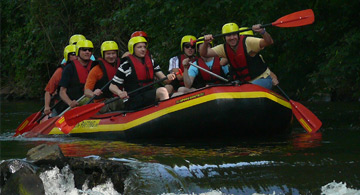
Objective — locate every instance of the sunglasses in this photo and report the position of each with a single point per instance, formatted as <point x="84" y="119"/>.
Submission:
<point x="72" y="53"/>
<point x="187" y="46"/>
<point x="87" y="49"/>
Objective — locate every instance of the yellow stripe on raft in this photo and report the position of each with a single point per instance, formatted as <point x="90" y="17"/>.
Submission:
<point x="83" y="127"/>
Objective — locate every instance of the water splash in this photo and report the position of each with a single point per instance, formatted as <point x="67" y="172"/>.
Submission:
<point x="62" y="182"/>
<point x="335" y="188"/>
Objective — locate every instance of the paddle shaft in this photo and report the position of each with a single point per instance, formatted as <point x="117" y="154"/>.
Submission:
<point x="68" y="108"/>
<point x="213" y="74"/>
<point x="102" y="89"/>
<point x="295" y="19"/>
<point x="286" y="96"/>
<point x="136" y="90"/>
<point x="52" y="107"/>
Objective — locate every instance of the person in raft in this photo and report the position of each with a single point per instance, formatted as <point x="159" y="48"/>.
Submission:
<point x="73" y="40"/>
<point x="135" y="71"/>
<point x="242" y="53"/>
<point x="74" y="75"/>
<point x="195" y="78"/>
<point x="52" y="88"/>
<point x="175" y="63"/>
<point x="101" y="74"/>
<point x="137" y="34"/>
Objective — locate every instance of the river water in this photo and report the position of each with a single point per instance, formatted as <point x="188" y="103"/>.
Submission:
<point x="324" y="163"/>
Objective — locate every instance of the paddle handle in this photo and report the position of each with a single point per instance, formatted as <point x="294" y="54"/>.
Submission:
<point x="52" y="107"/>
<point x="136" y="90"/>
<point x="221" y="35"/>
<point x="102" y="89"/>
<point x="68" y="108"/>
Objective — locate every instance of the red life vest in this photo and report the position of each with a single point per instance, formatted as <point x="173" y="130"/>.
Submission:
<point x="216" y="68"/>
<point x="243" y="66"/>
<point x="238" y="60"/>
<point x="110" y="70"/>
<point x="144" y="71"/>
<point x="82" y="71"/>
<point x="183" y="57"/>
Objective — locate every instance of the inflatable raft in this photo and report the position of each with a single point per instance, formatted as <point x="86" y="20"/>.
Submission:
<point x="215" y="111"/>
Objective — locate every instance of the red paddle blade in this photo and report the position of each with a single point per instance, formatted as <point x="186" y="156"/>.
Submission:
<point x="306" y="118"/>
<point x="300" y="18"/>
<point x="78" y="114"/>
<point x="63" y="126"/>
<point x="27" y="124"/>
<point x="43" y="128"/>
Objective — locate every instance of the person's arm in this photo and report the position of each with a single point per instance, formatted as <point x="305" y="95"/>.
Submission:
<point x="205" y="51"/>
<point x="274" y="78"/>
<point x="224" y="61"/>
<point x="94" y="75"/>
<point x="66" y="99"/>
<point x="161" y="75"/>
<point x="266" y="37"/>
<point x="125" y="54"/>
<point x="47" y="110"/>
<point x="188" y="80"/>
<point x="115" y="90"/>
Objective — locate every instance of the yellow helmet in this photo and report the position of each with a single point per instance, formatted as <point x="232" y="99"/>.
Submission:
<point x="76" y="38"/>
<point x="229" y="28"/>
<point x="133" y="41"/>
<point x="108" y="46"/>
<point x="186" y="39"/>
<point x="83" y="43"/>
<point x="67" y="50"/>
<point x="201" y="42"/>
<point x="247" y="33"/>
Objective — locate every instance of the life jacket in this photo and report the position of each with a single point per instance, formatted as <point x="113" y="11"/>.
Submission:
<point x="144" y="70"/>
<point x="56" y="97"/>
<point x="77" y="83"/>
<point x="108" y="73"/>
<point x="243" y="66"/>
<point x="203" y="77"/>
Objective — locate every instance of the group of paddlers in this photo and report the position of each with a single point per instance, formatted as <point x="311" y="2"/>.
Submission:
<point x="81" y="78"/>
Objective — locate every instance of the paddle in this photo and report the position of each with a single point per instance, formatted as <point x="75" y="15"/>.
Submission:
<point x="32" y="121"/>
<point x="78" y="114"/>
<point x="300" y="18"/>
<point x="213" y="74"/>
<point x="40" y="127"/>
<point x="102" y="89"/>
<point x="306" y="118"/>
<point x="64" y="126"/>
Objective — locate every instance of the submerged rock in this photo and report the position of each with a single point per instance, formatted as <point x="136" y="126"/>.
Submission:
<point x="46" y="155"/>
<point x="19" y="177"/>
<point x="22" y="177"/>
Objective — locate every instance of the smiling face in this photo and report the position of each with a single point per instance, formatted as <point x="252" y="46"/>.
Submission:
<point x="110" y="56"/>
<point x="232" y="39"/>
<point x="85" y="53"/>
<point x="140" y="50"/>
<point x="189" y="49"/>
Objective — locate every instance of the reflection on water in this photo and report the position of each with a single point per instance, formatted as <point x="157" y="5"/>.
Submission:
<point x="307" y="140"/>
<point x="298" y="164"/>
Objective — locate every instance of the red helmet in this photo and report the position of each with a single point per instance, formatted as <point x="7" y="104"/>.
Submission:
<point x="139" y="34"/>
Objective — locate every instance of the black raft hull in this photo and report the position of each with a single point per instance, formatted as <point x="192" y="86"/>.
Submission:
<point x="214" y="112"/>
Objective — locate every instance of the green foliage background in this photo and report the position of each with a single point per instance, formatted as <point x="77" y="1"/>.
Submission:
<point x="310" y="61"/>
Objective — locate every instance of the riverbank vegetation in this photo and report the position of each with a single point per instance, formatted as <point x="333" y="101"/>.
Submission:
<point x="312" y="62"/>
